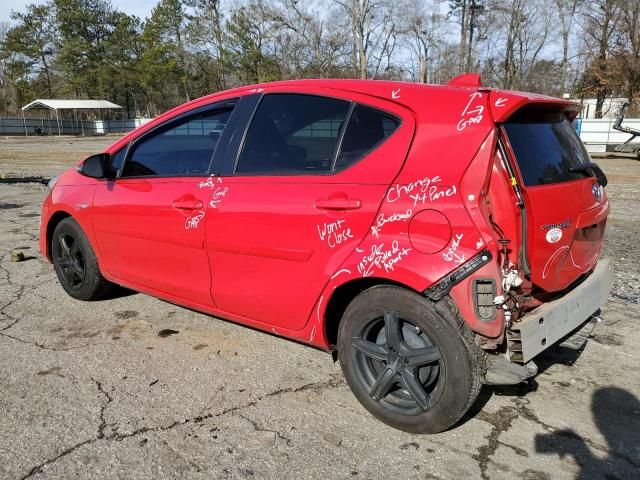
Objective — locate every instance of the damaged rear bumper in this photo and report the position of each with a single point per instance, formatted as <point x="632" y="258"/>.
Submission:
<point x="553" y="321"/>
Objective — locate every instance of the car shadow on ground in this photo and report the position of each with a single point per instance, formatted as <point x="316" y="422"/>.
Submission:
<point x="118" y="291"/>
<point x="553" y="356"/>
<point x="615" y="412"/>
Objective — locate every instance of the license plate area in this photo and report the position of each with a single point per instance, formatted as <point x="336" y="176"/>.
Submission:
<point x="554" y="320"/>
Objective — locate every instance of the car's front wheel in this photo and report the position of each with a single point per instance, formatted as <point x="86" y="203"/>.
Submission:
<point x="76" y="264"/>
<point x="406" y="364"/>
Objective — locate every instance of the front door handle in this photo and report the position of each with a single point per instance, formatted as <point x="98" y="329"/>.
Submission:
<point x="338" y="204"/>
<point x="187" y="204"/>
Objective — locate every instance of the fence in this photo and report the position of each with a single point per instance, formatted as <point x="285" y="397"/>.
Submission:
<point x="49" y="126"/>
<point x="596" y="134"/>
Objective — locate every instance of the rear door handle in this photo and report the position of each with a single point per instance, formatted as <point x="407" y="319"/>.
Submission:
<point x="338" y="204"/>
<point x="187" y="204"/>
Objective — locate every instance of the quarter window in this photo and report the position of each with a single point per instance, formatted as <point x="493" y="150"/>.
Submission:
<point x="367" y="128"/>
<point x="181" y="149"/>
<point x="293" y="133"/>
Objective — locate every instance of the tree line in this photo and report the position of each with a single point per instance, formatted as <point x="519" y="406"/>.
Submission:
<point x="188" y="48"/>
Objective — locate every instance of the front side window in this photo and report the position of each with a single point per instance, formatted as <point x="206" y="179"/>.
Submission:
<point x="116" y="161"/>
<point x="181" y="149"/>
<point x="293" y="133"/>
<point x="546" y="147"/>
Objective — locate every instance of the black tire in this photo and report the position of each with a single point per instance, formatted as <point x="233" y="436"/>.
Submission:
<point x="75" y="263"/>
<point x="422" y="381"/>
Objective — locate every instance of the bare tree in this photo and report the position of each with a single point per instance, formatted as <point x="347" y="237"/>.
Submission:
<point x="566" y="10"/>
<point x="310" y="42"/>
<point x="421" y="26"/>
<point x="520" y="33"/>
<point x="600" y="21"/>
<point x="469" y="14"/>
<point x="189" y="47"/>
<point x="629" y="44"/>
<point x="372" y="25"/>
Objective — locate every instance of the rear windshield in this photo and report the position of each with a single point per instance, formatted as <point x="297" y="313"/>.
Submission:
<point x="546" y="147"/>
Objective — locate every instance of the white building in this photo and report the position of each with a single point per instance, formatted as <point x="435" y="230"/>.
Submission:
<point x="610" y="108"/>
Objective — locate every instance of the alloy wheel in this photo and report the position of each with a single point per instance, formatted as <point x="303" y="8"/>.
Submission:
<point x="69" y="260"/>
<point x="400" y="366"/>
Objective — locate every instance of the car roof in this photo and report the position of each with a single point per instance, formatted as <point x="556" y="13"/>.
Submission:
<point x="418" y="97"/>
<point x="407" y="93"/>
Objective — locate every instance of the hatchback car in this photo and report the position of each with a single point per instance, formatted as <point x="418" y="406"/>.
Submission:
<point x="433" y="238"/>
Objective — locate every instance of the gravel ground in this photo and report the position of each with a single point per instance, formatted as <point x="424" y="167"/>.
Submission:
<point x="134" y="387"/>
<point x="47" y="156"/>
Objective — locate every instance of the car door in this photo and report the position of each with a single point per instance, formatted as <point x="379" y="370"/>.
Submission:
<point x="149" y="222"/>
<point x="309" y="177"/>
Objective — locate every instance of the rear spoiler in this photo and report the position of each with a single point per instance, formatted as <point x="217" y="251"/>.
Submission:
<point x="503" y="104"/>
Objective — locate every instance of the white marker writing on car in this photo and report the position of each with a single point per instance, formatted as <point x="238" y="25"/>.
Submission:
<point x="193" y="221"/>
<point x="451" y="254"/>
<point x="379" y="257"/>
<point x="394" y="217"/>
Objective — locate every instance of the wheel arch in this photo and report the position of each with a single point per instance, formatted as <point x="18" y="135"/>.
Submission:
<point x="342" y="296"/>
<point x="54" y="220"/>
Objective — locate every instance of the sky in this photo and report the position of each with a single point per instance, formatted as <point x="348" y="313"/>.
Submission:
<point x="140" y="8"/>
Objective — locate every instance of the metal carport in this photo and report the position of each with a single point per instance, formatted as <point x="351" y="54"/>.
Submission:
<point x="58" y="105"/>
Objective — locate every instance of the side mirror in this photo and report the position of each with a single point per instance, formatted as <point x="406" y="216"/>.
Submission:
<point x="96" y="166"/>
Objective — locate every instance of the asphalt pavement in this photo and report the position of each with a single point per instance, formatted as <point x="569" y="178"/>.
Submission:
<point x="134" y="387"/>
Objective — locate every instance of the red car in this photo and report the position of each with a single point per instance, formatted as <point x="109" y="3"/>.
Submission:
<point x="433" y="238"/>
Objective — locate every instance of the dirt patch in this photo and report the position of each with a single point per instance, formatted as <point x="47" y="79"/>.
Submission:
<point x="135" y="328"/>
<point x="612" y="339"/>
<point x="51" y="371"/>
<point x="164" y="333"/>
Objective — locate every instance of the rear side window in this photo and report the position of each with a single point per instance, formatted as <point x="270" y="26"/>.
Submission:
<point x="546" y="146"/>
<point x="308" y="134"/>
<point x="367" y="128"/>
<point x="182" y="149"/>
<point x="292" y="133"/>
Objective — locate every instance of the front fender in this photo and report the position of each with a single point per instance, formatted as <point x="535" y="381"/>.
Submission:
<point x="70" y="200"/>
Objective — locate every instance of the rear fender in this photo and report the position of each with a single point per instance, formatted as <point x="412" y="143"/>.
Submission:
<point x="424" y="229"/>
<point x="400" y="248"/>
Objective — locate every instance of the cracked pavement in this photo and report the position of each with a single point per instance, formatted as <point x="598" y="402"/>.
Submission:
<point x="95" y="390"/>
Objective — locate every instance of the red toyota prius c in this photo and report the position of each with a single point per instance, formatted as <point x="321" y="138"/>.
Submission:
<point x="432" y="237"/>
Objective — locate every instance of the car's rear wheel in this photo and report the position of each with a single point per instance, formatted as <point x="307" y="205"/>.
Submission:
<point x="76" y="264"/>
<point x="408" y="365"/>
